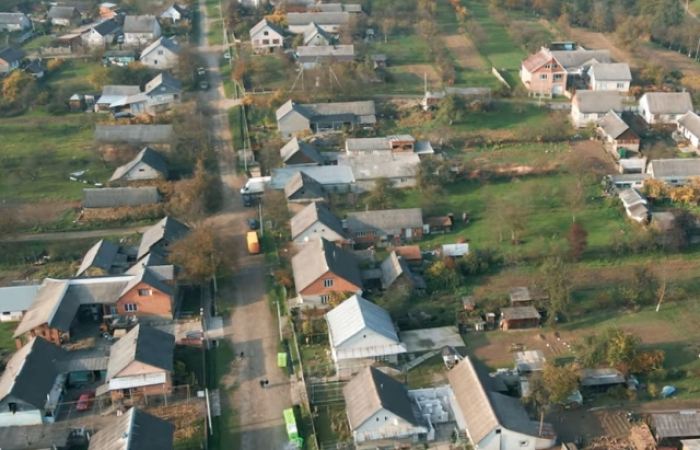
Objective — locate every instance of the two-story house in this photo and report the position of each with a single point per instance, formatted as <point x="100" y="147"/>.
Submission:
<point x="161" y="54"/>
<point x="140" y="30"/>
<point x="392" y="225"/>
<point x="660" y="108"/>
<point x="265" y="36"/>
<point x="589" y="106"/>
<point x="14" y="21"/>
<point x="315" y="221"/>
<point x="322" y="268"/>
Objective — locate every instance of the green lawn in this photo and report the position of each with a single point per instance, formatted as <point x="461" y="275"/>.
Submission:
<point x="235" y="121"/>
<point x="215" y="35"/>
<point x="37" y="43"/>
<point x="73" y="77"/>
<point x="498" y="47"/>
<point x="402" y="50"/>
<point x="7" y="344"/>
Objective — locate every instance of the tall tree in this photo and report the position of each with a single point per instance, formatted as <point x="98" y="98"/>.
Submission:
<point x="384" y="195"/>
<point x="555" y="279"/>
<point x="451" y="107"/>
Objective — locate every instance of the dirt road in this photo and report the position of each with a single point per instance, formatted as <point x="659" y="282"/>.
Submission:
<point x="257" y="421"/>
<point x="71" y="235"/>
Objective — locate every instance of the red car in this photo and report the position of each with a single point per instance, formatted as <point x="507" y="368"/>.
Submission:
<point x="84" y="401"/>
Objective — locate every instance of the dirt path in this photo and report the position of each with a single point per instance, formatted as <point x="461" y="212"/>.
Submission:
<point x="257" y="414"/>
<point x="71" y="235"/>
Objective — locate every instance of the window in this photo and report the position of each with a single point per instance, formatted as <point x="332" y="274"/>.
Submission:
<point x="498" y="431"/>
<point x="603" y="85"/>
<point x="145" y="292"/>
<point x="266" y="42"/>
<point x="620" y="85"/>
<point x="585" y="116"/>
<point x="155" y="62"/>
<point x="113" y="310"/>
<point x="543" y="76"/>
<point x="403" y="180"/>
<point x="325" y="298"/>
<point x="131" y="307"/>
<point x="558" y="76"/>
<point x="160" y="52"/>
<point x="546" y="66"/>
<point x="266" y="33"/>
<point x="360" y="233"/>
<point x="328" y="283"/>
<point x="275" y="41"/>
<point x="556" y="66"/>
<point x="6" y="313"/>
<point x="524" y="443"/>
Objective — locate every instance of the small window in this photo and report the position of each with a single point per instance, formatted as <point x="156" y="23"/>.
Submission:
<point x="543" y="76"/>
<point x="556" y="66"/>
<point x="275" y="41"/>
<point x="155" y="62"/>
<point x="160" y="52"/>
<point x="558" y="76"/>
<point x="377" y="419"/>
<point x="385" y="418"/>
<point x="145" y="292"/>
<point x="6" y="313"/>
<point x="524" y="443"/>
<point x="547" y="66"/>
<point x="325" y="298"/>
<point x="266" y="42"/>
<point x="498" y="431"/>
<point x="328" y="283"/>
<point x="131" y="307"/>
<point x="360" y="233"/>
<point x="585" y="116"/>
<point x="620" y="85"/>
<point x="403" y="180"/>
<point x="266" y="33"/>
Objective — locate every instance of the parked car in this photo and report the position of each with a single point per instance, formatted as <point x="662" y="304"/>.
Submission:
<point x="204" y="85"/>
<point x="247" y="200"/>
<point x="123" y="115"/>
<point x="201" y="71"/>
<point x="85" y="400"/>
<point x="253" y="224"/>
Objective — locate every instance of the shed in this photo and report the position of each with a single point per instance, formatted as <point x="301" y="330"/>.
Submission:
<point x="601" y="378"/>
<point x="523" y="296"/>
<point x="468" y="303"/>
<point x="455" y="250"/>
<point x="410" y="253"/>
<point x="519" y="317"/>
<point x="120" y="197"/>
<point x="15" y="300"/>
<point x="676" y="425"/>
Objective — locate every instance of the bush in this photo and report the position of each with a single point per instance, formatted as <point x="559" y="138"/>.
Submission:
<point x="57" y="109"/>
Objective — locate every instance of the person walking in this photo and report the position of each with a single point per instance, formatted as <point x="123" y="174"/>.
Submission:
<point x="262" y="384"/>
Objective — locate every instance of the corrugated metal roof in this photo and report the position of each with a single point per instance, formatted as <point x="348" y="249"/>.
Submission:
<point x="142" y="431"/>
<point x="392" y="268"/>
<point x="384" y="221"/>
<point x="668" y="102"/>
<point x="18" y="298"/>
<point x="321" y="256"/>
<point x="356" y="315"/>
<point x="144" y="344"/>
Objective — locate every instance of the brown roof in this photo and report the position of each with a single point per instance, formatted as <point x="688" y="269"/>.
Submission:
<point x="408" y="252"/>
<point x="536" y="61"/>
<point x="520" y="313"/>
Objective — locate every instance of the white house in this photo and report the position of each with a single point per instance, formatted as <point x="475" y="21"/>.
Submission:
<point x="664" y="107"/>
<point x="610" y="77"/>
<point x="689" y="127"/>
<point x="140" y="30"/>
<point x="265" y="35"/>
<point x="15" y="300"/>
<point x="315" y="35"/>
<point x="589" y="106"/>
<point x="674" y="172"/>
<point x="147" y="165"/>
<point x="102" y="34"/>
<point x="14" y="21"/>
<point x="360" y="333"/>
<point x="317" y="220"/>
<point x="174" y="13"/>
<point x="380" y="411"/>
<point x="161" y="54"/>
<point x="492" y="420"/>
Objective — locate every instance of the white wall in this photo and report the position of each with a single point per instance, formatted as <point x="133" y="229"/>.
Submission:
<point x="159" y="58"/>
<point x="384" y="424"/>
<point x="609" y="85"/>
<point x="257" y="39"/>
<point x="581" y="120"/>
<point x="690" y="136"/>
<point x="21" y="418"/>
<point x="661" y="118"/>
<point x="11" y="316"/>
<point x="141" y="171"/>
<point x="316" y="230"/>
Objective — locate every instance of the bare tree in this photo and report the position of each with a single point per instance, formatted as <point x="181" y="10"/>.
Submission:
<point x="201" y="255"/>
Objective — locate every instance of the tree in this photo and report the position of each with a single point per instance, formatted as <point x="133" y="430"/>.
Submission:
<point x="655" y="188"/>
<point x="200" y="254"/>
<point x="384" y="195"/>
<point x="433" y="172"/>
<point x="15" y="84"/>
<point x="269" y="155"/>
<point x="451" y="107"/>
<point x="336" y="298"/>
<point x="275" y="208"/>
<point x="577" y="238"/>
<point x="555" y="279"/>
<point x="195" y="197"/>
<point x="441" y="276"/>
<point x="612" y="346"/>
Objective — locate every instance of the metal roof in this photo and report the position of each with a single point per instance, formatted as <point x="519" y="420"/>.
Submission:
<point x="668" y="102"/>
<point x="18" y="298"/>
<point x="631" y="197"/>
<point x="266" y="23"/>
<point x="148" y="156"/>
<point x="611" y="72"/>
<point x="120" y="197"/>
<point x="598" y="377"/>
<point x="324" y="175"/>
<point x="380" y="165"/>
<point x="100" y="255"/>
<point x="14" y="18"/>
<point x="678" y="167"/>
<point x="392" y="268"/>
<point x="320" y="18"/>
<point x="139" y="24"/>
<point x="134" y="430"/>
<point x="134" y="133"/>
<point x="520" y="312"/>
<point x="573" y="59"/>
<point x="530" y="360"/>
<point x="84" y="361"/>
<point x="314" y="52"/>
<point x="167" y="229"/>
<point x="320" y="257"/>
<point x="612" y="124"/>
<point x="295" y="146"/>
<point x="164" y="42"/>
<point x="356" y="315"/>
<point x="691" y="122"/>
<point x="315" y="212"/>
<point x="384" y="221"/>
<point x="49" y="308"/>
<point x="35" y="437"/>
<point x="144" y="344"/>
<point x="597" y="101"/>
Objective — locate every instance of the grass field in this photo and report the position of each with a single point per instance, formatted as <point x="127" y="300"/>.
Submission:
<point x="7" y="344"/>
<point x="37" y="43"/>
<point x="73" y="77"/>
<point x="498" y="47"/>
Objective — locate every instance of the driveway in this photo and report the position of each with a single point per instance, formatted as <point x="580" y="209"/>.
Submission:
<point x="256" y="414"/>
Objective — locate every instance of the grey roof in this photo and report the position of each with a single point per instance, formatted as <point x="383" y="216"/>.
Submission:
<point x="150" y="260"/>
<point x="138" y="134"/>
<point x="482" y="408"/>
<point x="139" y="24"/>
<point x="295" y="146"/>
<point x="612" y="124"/>
<point x="571" y="59"/>
<point x="134" y="430"/>
<point x="631" y="197"/>
<point x="683" y="423"/>
<point x="611" y="72"/>
<point x="266" y="23"/>
<point x="150" y="276"/>
<point x="377" y="143"/>
<point x="365" y="110"/>
<point x="100" y="290"/>
<point x="35" y="437"/>
<point x="679" y="167"/>
<point x="120" y="197"/>
<point x="598" y="101"/>
<point x="17" y="298"/>
<point x="165" y="42"/>
<point x="392" y="268"/>
<point x="520" y="313"/>
<point x="524" y="294"/>
<point x="384" y="220"/>
<point x="309" y="186"/>
<point x="372" y="390"/>
<point x="337" y="7"/>
<point x="147" y="156"/>
<point x="690" y="444"/>
<point x="380" y="165"/>
<point x="144" y="344"/>
<point x="668" y="102"/>
<point x="62" y="12"/>
<point x="601" y="377"/>
<point x="315" y="52"/>
<point x="691" y="122"/>
<point x="355" y="315"/>
<point x="315" y="212"/>
<point x="320" y="257"/>
<point x="320" y="18"/>
<point x="101" y="255"/>
<point x="312" y="30"/>
<point x="83" y="360"/>
<point x="35" y="66"/>
<point x="167" y="229"/>
<point x="11" y="18"/>
<point x="163" y="79"/>
<point x="31" y="372"/>
<point x="10" y="55"/>
<point x="638" y="211"/>
<point x="324" y="175"/>
<point x="49" y="307"/>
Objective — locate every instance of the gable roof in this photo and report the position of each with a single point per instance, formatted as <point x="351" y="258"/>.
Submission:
<point x="355" y="315"/>
<point x="691" y="122"/>
<point x="676" y="167"/>
<point x="144" y="134"/>
<point x="31" y="372"/>
<point x="315" y="52"/>
<point x="384" y="220"/>
<point x="62" y="12"/>
<point x="10" y="55"/>
<point x="98" y="290"/>
<point x="365" y="110"/>
<point x="165" y="43"/>
<point x="263" y="24"/>
<point x="597" y="101"/>
<point x="168" y="229"/>
<point x="291" y="105"/>
<point x="537" y="60"/>
<point x="12" y="18"/>
<point x="49" y="307"/>
<point x="164" y="79"/>
<point x="323" y="175"/>
<point x="613" y="125"/>
<point x="35" y="67"/>
<point x="100" y="255"/>
<point x="144" y="344"/>
<point x="18" y="298"/>
<point x="147" y="156"/>
<point x="392" y="268"/>
<point x="574" y="59"/>
<point x="316" y="212"/>
<point x="321" y="256"/>
<point x="320" y="18"/>
<point x="35" y="437"/>
<point x="313" y="30"/>
<point x="371" y="391"/>
<point x="295" y="146"/>
<point x="134" y="430"/>
<point x="120" y="197"/>
<point x="139" y="24"/>
<point x="611" y="72"/>
<point x="668" y="102"/>
<point x="299" y="181"/>
<point x="150" y="260"/>
<point x="149" y="276"/>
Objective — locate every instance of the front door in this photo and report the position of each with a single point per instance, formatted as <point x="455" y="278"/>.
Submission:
<point x="409" y="233"/>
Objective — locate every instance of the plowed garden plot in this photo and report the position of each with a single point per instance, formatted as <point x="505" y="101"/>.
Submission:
<point x="465" y="53"/>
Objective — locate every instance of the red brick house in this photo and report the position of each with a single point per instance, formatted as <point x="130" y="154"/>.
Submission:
<point x="392" y="225"/>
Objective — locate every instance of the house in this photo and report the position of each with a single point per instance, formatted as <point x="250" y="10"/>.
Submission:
<point x="31" y="387"/>
<point x="158" y="96"/>
<point x="175" y="13"/>
<point x="102" y="34"/>
<point x="522" y="296"/>
<point x="120" y="197"/>
<point x="670" y="427"/>
<point x="293" y="118"/>
<point x="16" y="300"/>
<point x="601" y="379"/>
<point x="589" y="106"/>
<point x="155" y="136"/>
<point x="519" y="317"/>
<point x="119" y="57"/>
<point x="64" y="16"/>
<point x="616" y="133"/>
<point x="320" y="269"/>
<point x="315" y="55"/>
<point x="635" y="205"/>
<point x="85" y="9"/>
<point x="399" y="168"/>
<point x="664" y="107"/>
<point x="16" y="21"/>
<point x="403" y="143"/>
<point x="103" y="258"/>
<point x="410" y="253"/>
<point x="49" y="316"/>
<point x="337" y="7"/>
<point x="140" y="30"/>
<point x="380" y="412"/>
<point x="161" y="93"/>
<point x="37" y="437"/>
<point x="161" y="54"/>
<point x="529" y="361"/>
<point x="315" y="35"/>
<point x="10" y="60"/>
<point x="35" y="69"/>
<point x="674" y="172"/>
<point x="114" y="95"/>
<point x="610" y="77"/>
<point x="134" y="430"/>
<point x="158" y="238"/>
<point x="265" y="35"/>
<point x="393" y="225"/>
<point x="360" y="333"/>
<point x="689" y="127"/>
<point x="548" y="72"/>
<point x="440" y="224"/>
<point x="147" y="165"/>
<point x="297" y="152"/>
<point x="301" y="188"/>
<point x="141" y="362"/>
<point x="492" y="420"/>
<point x="335" y="179"/>
<point x="396" y="274"/>
<point x="110" y="10"/>
<point x="331" y="22"/>
<point x="314" y="221"/>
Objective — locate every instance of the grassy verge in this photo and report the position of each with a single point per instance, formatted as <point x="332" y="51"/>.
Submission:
<point x="7" y="344"/>
<point x="215" y="35"/>
<point x="195" y="23"/>
<point x="235" y="121"/>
